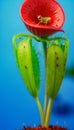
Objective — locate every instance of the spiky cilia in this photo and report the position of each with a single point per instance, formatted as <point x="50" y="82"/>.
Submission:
<point x="28" y="65"/>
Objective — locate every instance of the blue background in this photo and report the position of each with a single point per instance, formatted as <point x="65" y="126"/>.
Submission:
<point x="17" y="107"/>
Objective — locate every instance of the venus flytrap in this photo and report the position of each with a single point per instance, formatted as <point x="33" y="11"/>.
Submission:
<point x="42" y="18"/>
<point x="56" y="58"/>
<point x="28" y="66"/>
<point x="27" y="62"/>
<point x="55" y="55"/>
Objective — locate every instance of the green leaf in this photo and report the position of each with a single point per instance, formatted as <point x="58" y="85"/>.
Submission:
<point x="28" y="65"/>
<point x="55" y="69"/>
<point x="35" y="66"/>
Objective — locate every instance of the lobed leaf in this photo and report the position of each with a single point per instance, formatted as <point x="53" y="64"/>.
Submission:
<point x="28" y="65"/>
<point x="55" y="69"/>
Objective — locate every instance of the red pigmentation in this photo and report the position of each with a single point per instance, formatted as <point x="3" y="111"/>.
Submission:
<point x="30" y="11"/>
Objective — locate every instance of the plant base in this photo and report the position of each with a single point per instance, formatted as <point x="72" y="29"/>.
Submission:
<point x="56" y="127"/>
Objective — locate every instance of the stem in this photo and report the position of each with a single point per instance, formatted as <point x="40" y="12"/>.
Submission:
<point x="40" y="110"/>
<point x="45" y="103"/>
<point x="48" y="112"/>
<point x="45" y="96"/>
<point x="40" y="39"/>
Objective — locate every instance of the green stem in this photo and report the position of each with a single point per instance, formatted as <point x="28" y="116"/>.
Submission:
<point x="48" y="112"/>
<point x="18" y="36"/>
<point x="45" y="96"/>
<point x="55" y="38"/>
<point x="40" y="110"/>
<point x="40" y="39"/>
<point x="45" y="103"/>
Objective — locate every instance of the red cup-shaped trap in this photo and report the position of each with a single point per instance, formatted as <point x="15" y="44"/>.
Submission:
<point x="42" y="17"/>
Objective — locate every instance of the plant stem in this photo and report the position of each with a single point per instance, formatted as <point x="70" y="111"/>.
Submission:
<point x="40" y="110"/>
<point x="45" y="104"/>
<point x="40" y="39"/>
<point x="48" y="112"/>
<point x="45" y="96"/>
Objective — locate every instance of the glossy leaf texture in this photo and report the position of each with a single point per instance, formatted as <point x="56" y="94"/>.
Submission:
<point x="28" y="65"/>
<point x="56" y="62"/>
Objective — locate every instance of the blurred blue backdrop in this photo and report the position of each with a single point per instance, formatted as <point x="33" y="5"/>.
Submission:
<point x="17" y="107"/>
